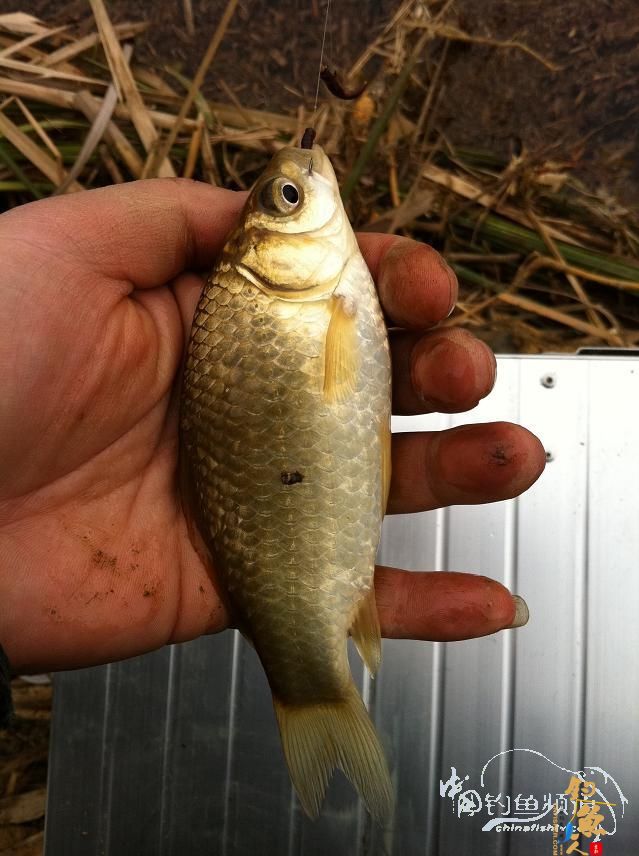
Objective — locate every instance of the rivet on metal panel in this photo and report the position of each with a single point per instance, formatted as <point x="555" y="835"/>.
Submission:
<point x="549" y="455"/>
<point x="548" y="380"/>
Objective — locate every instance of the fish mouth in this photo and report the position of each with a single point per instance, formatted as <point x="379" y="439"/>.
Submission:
<point x="318" y="163"/>
<point x="310" y="161"/>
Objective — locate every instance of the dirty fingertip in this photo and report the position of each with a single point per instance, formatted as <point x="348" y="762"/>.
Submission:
<point x="522" y="613"/>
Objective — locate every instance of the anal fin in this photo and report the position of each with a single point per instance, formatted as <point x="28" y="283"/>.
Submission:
<point x="366" y="632"/>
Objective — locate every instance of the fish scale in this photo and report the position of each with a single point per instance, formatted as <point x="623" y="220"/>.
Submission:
<point x="295" y="555"/>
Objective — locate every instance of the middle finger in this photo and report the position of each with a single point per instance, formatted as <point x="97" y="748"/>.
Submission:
<point x="446" y="370"/>
<point x="487" y="462"/>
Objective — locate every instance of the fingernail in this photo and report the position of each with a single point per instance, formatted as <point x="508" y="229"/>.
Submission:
<point x="492" y="367"/>
<point x="422" y="365"/>
<point x="454" y="287"/>
<point x="522" y="613"/>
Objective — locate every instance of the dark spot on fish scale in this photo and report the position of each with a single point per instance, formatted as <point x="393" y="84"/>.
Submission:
<point x="289" y="478"/>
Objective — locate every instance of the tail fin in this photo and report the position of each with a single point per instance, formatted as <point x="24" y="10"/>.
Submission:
<point x="319" y="737"/>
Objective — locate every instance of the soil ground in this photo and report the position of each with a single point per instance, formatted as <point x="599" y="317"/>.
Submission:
<point x="492" y="98"/>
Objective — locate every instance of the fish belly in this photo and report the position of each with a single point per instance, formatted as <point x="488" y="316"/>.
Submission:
<point x="290" y="484"/>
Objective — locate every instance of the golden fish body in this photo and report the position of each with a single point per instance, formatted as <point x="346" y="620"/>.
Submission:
<point x="285" y="435"/>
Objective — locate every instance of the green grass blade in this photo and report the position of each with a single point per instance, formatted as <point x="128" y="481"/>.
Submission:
<point x="504" y="234"/>
<point x="19" y="173"/>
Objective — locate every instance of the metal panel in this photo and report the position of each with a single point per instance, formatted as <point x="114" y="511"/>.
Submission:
<point x="481" y="538"/>
<point x="548" y="709"/>
<point x="177" y="752"/>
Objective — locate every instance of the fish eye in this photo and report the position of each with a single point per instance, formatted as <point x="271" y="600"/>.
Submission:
<point x="280" y="196"/>
<point x="290" y="193"/>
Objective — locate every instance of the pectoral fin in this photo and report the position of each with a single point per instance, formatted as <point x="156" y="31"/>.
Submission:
<point x="341" y="356"/>
<point x="366" y="632"/>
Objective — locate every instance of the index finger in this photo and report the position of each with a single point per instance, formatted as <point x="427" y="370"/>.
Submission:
<point x="417" y="289"/>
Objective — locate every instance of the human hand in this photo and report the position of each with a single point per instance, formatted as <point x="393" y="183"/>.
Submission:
<point x="96" y="563"/>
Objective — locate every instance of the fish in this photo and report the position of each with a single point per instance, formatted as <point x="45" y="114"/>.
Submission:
<point x="285" y="462"/>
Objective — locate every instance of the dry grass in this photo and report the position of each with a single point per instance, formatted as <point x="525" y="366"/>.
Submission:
<point x="543" y="262"/>
<point x="23" y="769"/>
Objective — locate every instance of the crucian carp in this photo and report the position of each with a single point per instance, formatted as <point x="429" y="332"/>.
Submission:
<point x="285" y="446"/>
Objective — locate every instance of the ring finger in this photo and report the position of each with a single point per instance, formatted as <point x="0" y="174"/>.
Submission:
<point x="469" y="464"/>
<point x="446" y="370"/>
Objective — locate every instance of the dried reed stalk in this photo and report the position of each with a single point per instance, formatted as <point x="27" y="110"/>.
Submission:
<point x="165" y="146"/>
<point x="34" y="153"/>
<point x="126" y="87"/>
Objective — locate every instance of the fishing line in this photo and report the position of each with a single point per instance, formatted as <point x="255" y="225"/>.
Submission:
<point x="321" y="62"/>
